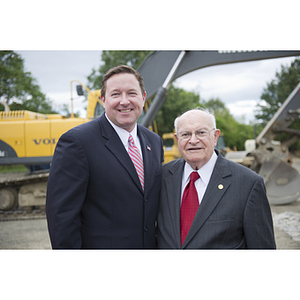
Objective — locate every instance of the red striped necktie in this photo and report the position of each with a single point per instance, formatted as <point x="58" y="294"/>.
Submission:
<point x="136" y="158"/>
<point x="189" y="206"/>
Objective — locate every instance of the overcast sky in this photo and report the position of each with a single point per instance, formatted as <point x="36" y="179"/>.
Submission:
<point x="213" y="25"/>
<point x="238" y="85"/>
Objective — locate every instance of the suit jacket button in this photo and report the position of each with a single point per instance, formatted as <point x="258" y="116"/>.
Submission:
<point x="145" y="229"/>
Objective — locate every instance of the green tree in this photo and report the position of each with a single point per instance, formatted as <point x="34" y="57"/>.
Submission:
<point x="276" y="93"/>
<point x="235" y="133"/>
<point x="278" y="90"/>
<point x="177" y="102"/>
<point x="216" y="106"/>
<point x="111" y="59"/>
<point x="18" y="88"/>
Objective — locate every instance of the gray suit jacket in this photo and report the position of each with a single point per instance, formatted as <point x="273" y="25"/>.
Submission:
<point x="234" y="212"/>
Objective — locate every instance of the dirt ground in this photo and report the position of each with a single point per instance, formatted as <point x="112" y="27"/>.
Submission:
<point x="283" y="237"/>
<point x="33" y="234"/>
<point x="24" y="234"/>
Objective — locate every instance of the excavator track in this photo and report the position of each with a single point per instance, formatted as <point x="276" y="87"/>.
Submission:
<point x="22" y="193"/>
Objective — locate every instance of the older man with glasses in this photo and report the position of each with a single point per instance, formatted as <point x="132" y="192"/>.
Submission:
<point x="207" y="201"/>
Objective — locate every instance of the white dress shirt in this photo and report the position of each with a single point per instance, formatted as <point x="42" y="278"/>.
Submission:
<point x="124" y="135"/>
<point x="204" y="173"/>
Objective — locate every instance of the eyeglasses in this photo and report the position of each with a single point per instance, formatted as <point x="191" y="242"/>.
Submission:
<point x="200" y="134"/>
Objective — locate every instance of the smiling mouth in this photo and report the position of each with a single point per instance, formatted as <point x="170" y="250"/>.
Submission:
<point x="125" y="110"/>
<point x="194" y="149"/>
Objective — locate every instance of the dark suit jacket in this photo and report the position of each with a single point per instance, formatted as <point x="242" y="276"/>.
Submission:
<point x="94" y="197"/>
<point x="234" y="212"/>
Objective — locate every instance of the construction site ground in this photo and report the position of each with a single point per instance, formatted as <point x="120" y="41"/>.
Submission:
<point x="33" y="233"/>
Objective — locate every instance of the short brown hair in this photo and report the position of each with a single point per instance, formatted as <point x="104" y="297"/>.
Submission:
<point x="119" y="70"/>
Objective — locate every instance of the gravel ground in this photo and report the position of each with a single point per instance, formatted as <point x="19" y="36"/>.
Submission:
<point x="33" y="234"/>
<point x="286" y="220"/>
<point x="24" y="234"/>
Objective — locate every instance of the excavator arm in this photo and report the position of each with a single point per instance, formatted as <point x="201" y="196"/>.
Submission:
<point x="160" y="68"/>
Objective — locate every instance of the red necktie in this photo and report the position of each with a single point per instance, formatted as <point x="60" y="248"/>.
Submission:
<point x="136" y="158"/>
<point x="189" y="206"/>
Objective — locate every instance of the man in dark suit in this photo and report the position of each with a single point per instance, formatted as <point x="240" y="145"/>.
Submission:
<point x="207" y="201"/>
<point x="96" y="197"/>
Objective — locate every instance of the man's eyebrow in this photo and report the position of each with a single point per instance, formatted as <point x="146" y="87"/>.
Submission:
<point x="114" y="89"/>
<point x="117" y="90"/>
<point x="202" y="128"/>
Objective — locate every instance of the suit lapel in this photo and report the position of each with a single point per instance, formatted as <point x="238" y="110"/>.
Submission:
<point x="116" y="147"/>
<point x="216" y="188"/>
<point x="173" y="188"/>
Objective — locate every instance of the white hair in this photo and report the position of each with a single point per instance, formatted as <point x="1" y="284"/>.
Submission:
<point x="209" y="114"/>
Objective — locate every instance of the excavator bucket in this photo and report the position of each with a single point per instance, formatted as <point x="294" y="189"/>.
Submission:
<point x="282" y="181"/>
<point x="271" y="158"/>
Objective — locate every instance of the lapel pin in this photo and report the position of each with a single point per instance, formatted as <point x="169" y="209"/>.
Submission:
<point x="220" y="186"/>
<point x="148" y="148"/>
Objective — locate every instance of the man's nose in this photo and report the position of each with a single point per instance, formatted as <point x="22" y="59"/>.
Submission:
<point x="124" y="99"/>
<point x="194" y="138"/>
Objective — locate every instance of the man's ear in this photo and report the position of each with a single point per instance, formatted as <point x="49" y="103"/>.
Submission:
<point x="175" y="134"/>
<point x="217" y="134"/>
<point x="144" y="98"/>
<point x="103" y="100"/>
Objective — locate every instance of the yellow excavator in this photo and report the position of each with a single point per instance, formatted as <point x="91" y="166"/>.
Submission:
<point x="29" y="138"/>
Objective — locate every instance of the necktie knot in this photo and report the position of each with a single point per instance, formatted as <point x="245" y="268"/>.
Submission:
<point x="194" y="176"/>
<point x="130" y="139"/>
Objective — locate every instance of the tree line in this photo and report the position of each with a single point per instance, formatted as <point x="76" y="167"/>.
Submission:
<point x="20" y="91"/>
